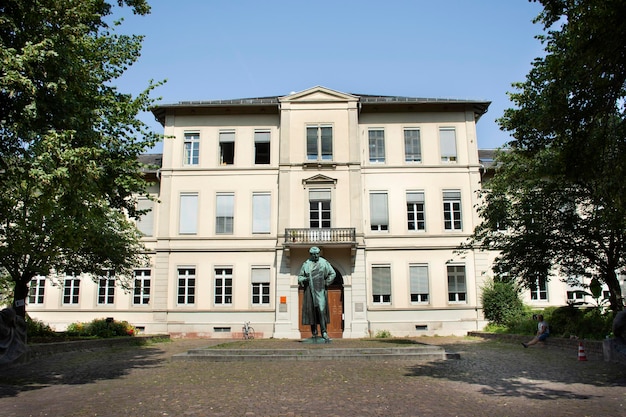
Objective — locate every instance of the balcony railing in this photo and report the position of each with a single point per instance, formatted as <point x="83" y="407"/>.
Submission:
<point x="332" y="235"/>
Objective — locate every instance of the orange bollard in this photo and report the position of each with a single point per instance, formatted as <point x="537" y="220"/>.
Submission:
<point x="581" y="352"/>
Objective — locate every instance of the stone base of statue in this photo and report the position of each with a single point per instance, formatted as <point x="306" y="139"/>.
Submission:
<point x="316" y="339"/>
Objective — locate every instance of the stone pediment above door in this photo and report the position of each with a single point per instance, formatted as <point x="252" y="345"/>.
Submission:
<point x="319" y="180"/>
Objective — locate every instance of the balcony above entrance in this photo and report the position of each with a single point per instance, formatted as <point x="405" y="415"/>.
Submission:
<point x="342" y="236"/>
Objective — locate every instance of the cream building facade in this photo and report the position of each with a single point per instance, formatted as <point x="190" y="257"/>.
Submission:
<point x="384" y="186"/>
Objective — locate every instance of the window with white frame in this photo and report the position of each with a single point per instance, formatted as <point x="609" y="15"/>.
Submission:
<point x="71" y="289"/>
<point x="376" y="140"/>
<point x="260" y="278"/>
<point x="539" y="289"/>
<point x="106" y="288"/>
<point x="186" y="291"/>
<point x="412" y="145"/>
<point x="145" y="224"/>
<point x="379" y="211"/>
<point x="223" y="286"/>
<point x="36" y="290"/>
<point x="447" y="144"/>
<point x="575" y="295"/>
<point x="319" y="208"/>
<point x="261" y="212"/>
<point x="225" y="213"/>
<point x="261" y="147"/>
<point x="452" y="210"/>
<point x="319" y="143"/>
<point x="457" y="290"/>
<point x="227" y="147"/>
<point x="381" y="284"/>
<point x="418" y="275"/>
<point x="188" y="216"/>
<point x="416" y="215"/>
<point x="191" y="152"/>
<point x="141" y="290"/>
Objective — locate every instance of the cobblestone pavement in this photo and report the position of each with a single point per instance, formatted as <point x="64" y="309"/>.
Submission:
<point x="490" y="379"/>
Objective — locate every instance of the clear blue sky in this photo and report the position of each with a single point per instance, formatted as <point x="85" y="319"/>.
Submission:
<point x="227" y="49"/>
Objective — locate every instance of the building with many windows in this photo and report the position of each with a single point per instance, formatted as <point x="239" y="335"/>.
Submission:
<point x="384" y="186"/>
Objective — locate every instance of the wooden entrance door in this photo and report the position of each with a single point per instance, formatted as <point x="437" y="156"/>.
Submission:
<point x="335" y="305"/>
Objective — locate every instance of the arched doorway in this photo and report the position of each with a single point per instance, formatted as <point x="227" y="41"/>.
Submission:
<point x="335" y="305"/>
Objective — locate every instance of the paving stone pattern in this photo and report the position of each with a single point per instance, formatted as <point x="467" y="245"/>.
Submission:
<point x="491" y="378"/>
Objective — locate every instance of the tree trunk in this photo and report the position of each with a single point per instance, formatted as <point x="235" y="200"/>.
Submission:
<point x="20" y="293"/>
<point x="615" y="292"/>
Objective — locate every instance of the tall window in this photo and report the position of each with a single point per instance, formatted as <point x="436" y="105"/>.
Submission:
<point x="379" y="211"/>
<point x="419" y="283"/>
<point x="447" y="144"/>
<point x="191" y="152"/>
<point x="539" y="290"/>
<point x="260" y="286"/>
<point x="145" y="224"/>
<point x="227" y="147"/>
<point x="457" y="292"/>
<point x="416" y="216"/>
<point x="141" y="290"/>
<point x="319" y="143"/>
<point x="223" y="286"/>
<point x="261" y="147"/>
<point x="36" y="290"/>
<point x="106" y="288"/>
<point x="377" y="145"/>
<point x="452" y="210"/>
<point x="381" y="284"/>
<point x="412" y="145"/>
<point x="186" y="286"/>
<point x="261" y="212"/>
<point x="71" y="289"/>
<point x="319" y="208"/>
<point x="188" y="216"/>
<point x="225" y="208"/>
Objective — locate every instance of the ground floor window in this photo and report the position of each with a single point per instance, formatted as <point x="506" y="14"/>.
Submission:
<point x="223" y="286"/>
<point x="419" y="283"/>
<point x="457" y="292"/>
<point x="71" y="289"/>
<point x="260" y="286"/>
<point x="141" y="290"/>
<point x="539" y="290"/>
<point x="381" y="284"/>
<point x="106" y="288"/>
<point x="186" y="285"/>
<point x="37" y="290"/>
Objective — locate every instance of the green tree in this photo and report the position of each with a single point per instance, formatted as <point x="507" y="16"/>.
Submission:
<point x="69" y="172"/>
<point x="559" y="187"/>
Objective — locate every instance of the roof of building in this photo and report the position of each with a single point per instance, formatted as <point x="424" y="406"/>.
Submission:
<point x="369" y="103"/>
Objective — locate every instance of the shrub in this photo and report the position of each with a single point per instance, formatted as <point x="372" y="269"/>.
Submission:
<point x="383" y="334"/>
<point x="101" y="328"/>
<point x="502" y="304"/>
<point x="586" y="323"/>
<point x="37" y="328"/>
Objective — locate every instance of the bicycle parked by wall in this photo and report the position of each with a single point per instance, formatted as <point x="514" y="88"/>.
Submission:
<point x="247" y="330"/>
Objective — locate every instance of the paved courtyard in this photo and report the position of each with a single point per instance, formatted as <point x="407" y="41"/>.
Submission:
<point x="491" y="379"/>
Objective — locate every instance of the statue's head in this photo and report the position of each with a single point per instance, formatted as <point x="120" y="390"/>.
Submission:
<point x="315" y="253"/>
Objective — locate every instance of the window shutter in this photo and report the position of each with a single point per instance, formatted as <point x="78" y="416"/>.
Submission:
<point x="378" y="208"/>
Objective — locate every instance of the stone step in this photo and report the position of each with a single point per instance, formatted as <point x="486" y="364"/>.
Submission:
<point x="421" y="353"/>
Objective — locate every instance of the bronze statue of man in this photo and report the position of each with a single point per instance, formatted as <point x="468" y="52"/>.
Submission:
<point x="316" y="274"/>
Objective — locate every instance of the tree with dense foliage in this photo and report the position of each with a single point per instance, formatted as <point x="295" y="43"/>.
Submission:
<point x="557" y="200"/>
<point x="69" y="141"/>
